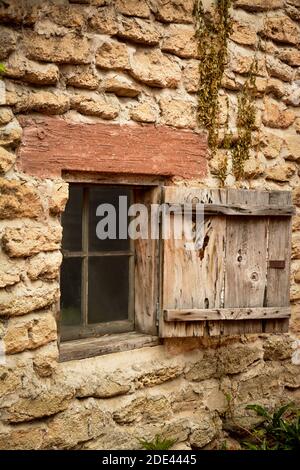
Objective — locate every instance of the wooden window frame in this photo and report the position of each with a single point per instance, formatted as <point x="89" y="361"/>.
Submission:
<point x="86" y="330"/>
<point x="141" y="328"/>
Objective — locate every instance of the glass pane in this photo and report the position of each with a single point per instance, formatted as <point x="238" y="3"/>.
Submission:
<point x="72" y="220"/>
<point x="71" y="291"/>
<point x="108" y="288"/>
<point x="101" y="195"/>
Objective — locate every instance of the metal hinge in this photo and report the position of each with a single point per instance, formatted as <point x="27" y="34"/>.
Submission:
<point x="157" y="313"/>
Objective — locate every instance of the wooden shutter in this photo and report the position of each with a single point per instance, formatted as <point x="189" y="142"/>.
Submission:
<point x="238" y="282"/>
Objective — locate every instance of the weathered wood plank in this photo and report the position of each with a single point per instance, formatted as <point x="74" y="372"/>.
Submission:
<point x="193" y="278"/>
<point x="81" y="349"/>
<point x="279" y="248"/>
<point x="239" y="210"/>
<point x="246" y="261"/>
<point x="110" y="148"/>
<point x="146" y="269"/>
<point x="183" y="315"/>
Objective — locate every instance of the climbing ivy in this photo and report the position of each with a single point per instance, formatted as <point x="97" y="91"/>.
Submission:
<point x="213" y="29"/>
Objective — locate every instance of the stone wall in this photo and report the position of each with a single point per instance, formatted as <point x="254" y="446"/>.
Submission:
<point x="129" y="61"/>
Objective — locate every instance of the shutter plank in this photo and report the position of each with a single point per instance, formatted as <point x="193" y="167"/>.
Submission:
<point x="246" y="261"/>
<point x="278" y="285"/>
<point x="193" y="279"/>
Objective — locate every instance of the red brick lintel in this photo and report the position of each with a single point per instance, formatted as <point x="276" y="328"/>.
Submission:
<point x="51" y="145"/>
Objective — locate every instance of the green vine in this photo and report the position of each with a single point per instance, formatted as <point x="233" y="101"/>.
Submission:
<point x="246" y="114"/>
<point x="212" y="30"/>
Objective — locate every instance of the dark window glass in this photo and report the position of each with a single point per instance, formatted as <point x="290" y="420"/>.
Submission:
<point x="108" y="288"/>
<point x="71" y="291"/>
<point x="99" y="195"/>
<point x="72" y="220"/>
<point x="95" y="281"/>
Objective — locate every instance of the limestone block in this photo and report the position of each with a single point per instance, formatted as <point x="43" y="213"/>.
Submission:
<point x="271" y="144"/>
<point x="281" y="29"/>
<point x="178" y="113"/>
<point x="24" y="298"/>
<point x="290" y="56"/>
<point x="281" y="172"/>
<point x="258" y="5"/>
<point x="112" y="55"/>
<point x="29" y="332"/>
<point x="191" y="76"/>
<point x="6" y="115"/>
<point x="133" y="8"/>
<point x="57" y="197"/>
<point x="31" y="238"/>
<point x="174" y="11"/>
<point x="45" y="102"/>
<point x="104" y="21"/>
<point x="155" y="69"/>
<point x="243" y="33"/>
<point x="95" y="105"/>
<point x="276" y="115"/>
<point x="140" y="31"/>
<point x="181" y="41"/>
<point x="11" y="133"/>
<point x="44" y="265"/>
<point x="278" y="347"/>
<point x="8" y="41"/>
<point x="81" y="77"/>
<point x="145" y="111"/>
<point x="69" y="49"/>
<point x="7" y="160"/>
<point x="121" y="86"/>
<point x="18" y="199"/>
<point x="19" y="67"/>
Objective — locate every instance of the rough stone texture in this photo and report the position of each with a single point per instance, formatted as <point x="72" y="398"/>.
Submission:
<point x="155" y="69"/>
<point x="7" y="159"/>
<point x="112" y="55"/>
<point x="54" y="52"/>
<point x="121" y="86"/>
<point x="181" y="41"/>
<point x="281" y="172"/>
<point x="81" y="77"/>
<point x="44" y="102"/>
<point x="146" y="111"/>
<point x="277" y="116"/>
<point x="17" y="199"/>
<point x="68" y="49"/>
<point x="96" y="105"/>
<point x="19" y="67"/>
<point x="140" y="31"/>
<point x="29" y="332"/>
<point x="178" y="113"/>
<point x="24" y="298"/>
<point x="282" y="29"/>
<point x="30" y="239"/>
<point x="133" y="8"/>
<point x="7" y="42"/>
<point x="258" y="5"/>
<point x="177" y="11"/>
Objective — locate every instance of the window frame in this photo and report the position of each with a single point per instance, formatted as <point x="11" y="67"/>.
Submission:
<point x="141" y="329"/>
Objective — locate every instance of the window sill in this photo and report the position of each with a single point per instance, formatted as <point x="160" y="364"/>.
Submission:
<point x="90" y="347"/>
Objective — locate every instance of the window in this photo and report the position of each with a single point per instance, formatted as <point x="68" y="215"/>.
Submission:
<point x="97" y="276"/>
<point x="234" y="280"/>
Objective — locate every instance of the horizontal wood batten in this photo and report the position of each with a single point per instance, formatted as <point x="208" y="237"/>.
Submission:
<point x="185" y="315"/>
<point x="51" y="146"/>
<point x="238" y="210"/>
